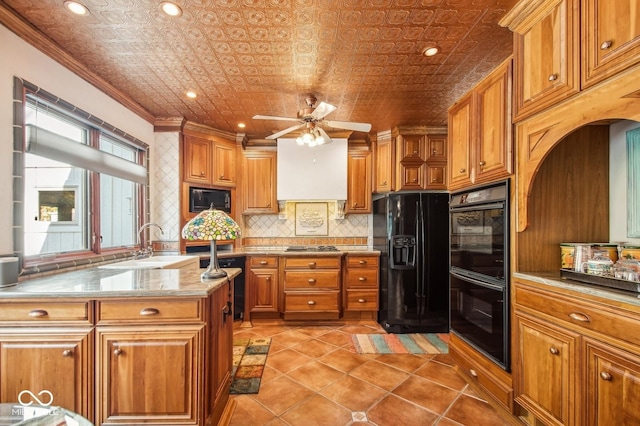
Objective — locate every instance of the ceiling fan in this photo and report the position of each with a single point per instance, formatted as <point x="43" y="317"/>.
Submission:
<point x="308" y="118"/>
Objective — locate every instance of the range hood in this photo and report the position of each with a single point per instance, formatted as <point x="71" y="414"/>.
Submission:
<point x="312" y="173"/>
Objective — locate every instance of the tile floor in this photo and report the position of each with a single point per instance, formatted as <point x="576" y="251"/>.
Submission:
<point x="314" y="377"/>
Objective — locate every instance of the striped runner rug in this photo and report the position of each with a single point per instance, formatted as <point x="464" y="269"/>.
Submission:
<point x="428" y="343"/>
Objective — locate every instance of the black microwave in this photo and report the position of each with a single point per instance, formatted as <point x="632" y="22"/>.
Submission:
<point x="203" y="198"/>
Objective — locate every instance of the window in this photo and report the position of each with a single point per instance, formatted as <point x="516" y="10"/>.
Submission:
<point x="83" y="185"/>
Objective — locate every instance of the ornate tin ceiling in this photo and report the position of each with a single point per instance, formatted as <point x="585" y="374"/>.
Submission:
<point x="248" y="57"/>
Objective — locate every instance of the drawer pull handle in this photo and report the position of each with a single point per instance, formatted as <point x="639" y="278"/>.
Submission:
<point x="146" y="312"/>
<point x="362" y="279"/>
<point x="362" y="300"/>
<point x="606" y="44"/>
<point x="37" y="313"/>
<point x="117" y="352"/>
<point x="67" y="353"/>
<point x="554" y="350"/>
<point x="462" y="171"/>
<point x="605" y="376"/>
<point x="553" y="77"/>
<point x="363" y="262"/>
<point x="578" y="316"/>
<point x="312" y="264"/>
<point x="311" y="302"/>
<point x="311" y="280"/>
<point x="264" y="262"/>
<point x="473" y="372"/>
<point x="482" y="163"/>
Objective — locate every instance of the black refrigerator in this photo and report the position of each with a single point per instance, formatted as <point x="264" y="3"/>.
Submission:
<point x="411" y="230"/>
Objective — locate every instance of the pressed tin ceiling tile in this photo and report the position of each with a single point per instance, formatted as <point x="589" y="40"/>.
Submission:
<point x="248" y="57"/>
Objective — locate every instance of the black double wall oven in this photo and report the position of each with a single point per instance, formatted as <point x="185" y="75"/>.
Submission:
<point x="479" y="269"/>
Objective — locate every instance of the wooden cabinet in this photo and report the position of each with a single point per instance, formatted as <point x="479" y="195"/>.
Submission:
<point x="611" y="34"/>
<point x="47" y="346"/>
<point x="262" y="285"/>
<point x="480" y="133"/>
<point x="312" y="286"/>
<point x="208" y="160"/>
<point x="259" y="182"/>
<point x="221" y="339"/>
<point x="422" y="161"/>
<point x="577" y="356"/>
<point x="361" y="286"/>
<point x="358" y="181"/>
<point x="385" y="159"/>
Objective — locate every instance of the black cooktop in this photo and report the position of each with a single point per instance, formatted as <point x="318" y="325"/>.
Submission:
<point x="311" y="248"/>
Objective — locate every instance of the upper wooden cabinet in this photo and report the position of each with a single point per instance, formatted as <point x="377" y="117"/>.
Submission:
<point x="259" y="182"/>
<point x="209" y="161"/>
<point x="480" y="134"/>
<point x="358" y="181"/>
<point x="611" y="34"/>
<point x="384" y="170"/>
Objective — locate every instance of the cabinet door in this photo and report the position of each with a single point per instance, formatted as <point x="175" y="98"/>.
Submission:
<point x="222" y="340"/>
<point x="259" y="182"/>
<point x="411" y="176"/>
<point x="436" y="148"/>
<point x="545" y="378"/>
<point x="494" y="154"/>
<point x="436" y="176"/>
<point x="224" y="157"/>
<point x="546" y="58"/>
<point x="613" y="385"/>
<point x="611" y="30"/>
<point x="263" y="284"/>
<point x="460" y="137"/>
<point x="197" y="160"/>
<point x="384" y="166"/>
<point x="358" y="182"/>
<point x="412" y="147"/>
<point x="149" y="374"/>
<point x="57" y="361"/>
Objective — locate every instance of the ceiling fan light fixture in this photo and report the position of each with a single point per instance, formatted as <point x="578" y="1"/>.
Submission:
<point x="76" y="8"/>
<point x="430" y="50"/>
<point x="170" y="8"/>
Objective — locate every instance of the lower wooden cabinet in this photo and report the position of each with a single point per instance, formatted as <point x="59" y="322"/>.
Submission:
<point x="56" y="360"/>
<point x="361" y="286"/>
<point x="312" y="287"/>
<point x="262" y="285"/>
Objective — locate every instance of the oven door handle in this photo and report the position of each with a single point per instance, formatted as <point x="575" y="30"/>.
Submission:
<point x="477" y="207"/>
<point x="478" y="282"/>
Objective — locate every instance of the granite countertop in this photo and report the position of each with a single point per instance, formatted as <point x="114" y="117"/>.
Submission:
<point x="106" y="283"/>
<point x="554" y="279"/>
<point x="282" y="251"/>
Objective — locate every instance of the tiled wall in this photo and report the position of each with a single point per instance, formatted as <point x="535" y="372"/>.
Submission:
<point x="165" y="187"/>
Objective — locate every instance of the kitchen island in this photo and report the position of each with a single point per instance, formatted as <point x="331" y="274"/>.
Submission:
<point x="145" y="346"/>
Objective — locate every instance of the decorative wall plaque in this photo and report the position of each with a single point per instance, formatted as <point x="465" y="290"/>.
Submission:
<point x="312" y="219"/>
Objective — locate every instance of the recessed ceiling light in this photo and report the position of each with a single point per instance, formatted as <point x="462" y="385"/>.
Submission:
<point x="430" y="50"/>
<point x="170" y="9"/>
<point x="77" y="8"/>
<point x="191" y="94"/>
<point x="242" y="125"/>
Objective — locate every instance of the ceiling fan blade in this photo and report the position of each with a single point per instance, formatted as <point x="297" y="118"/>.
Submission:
<point x="348" y="125"/>
<point x="324" y="135"/>
<point x="322" y="110"/>
<point x="285" y="131"/>
<point x="273" y="117"/>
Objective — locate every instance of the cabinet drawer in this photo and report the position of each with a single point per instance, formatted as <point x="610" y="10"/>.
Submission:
<point x="152" y="310"/>
<point x="312" y="301"/>
<point x="312" y="262"/>
<point x="45" y="312"/>
<point x="362" y="262"/>
<point x="263" y="261"/>
<point x="362" y="300"/>
<point x="362" y="278"/>
<point x="311" y="279"/>
<point x="579" y="313"/>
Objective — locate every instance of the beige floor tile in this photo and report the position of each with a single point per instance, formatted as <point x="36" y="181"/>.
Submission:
<point x="353" y="393"/>
<point x="314" y="348"/>
<point x="441" y="373"/>
<point x="394" y="411"/>
<point x="379" y="374"/>
<point x="343" y="360"/>
<point x="317" y="411"/>
<point x="281" y="393"/>
<point x="427" y="394"/>
<point x="287" y="360"/>
<point x="471" y="411"/>
<point x="315" y="375"/>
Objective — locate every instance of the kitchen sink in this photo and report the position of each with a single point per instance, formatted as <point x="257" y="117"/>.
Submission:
<point x="156" y="262"/>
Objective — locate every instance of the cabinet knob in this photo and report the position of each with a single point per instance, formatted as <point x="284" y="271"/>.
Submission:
<point x="201" y="173"/>
<point x="312" y="264"/>
<point x="606" y="44"/>
<point x="221" y="177"/>
<point x="67" y="353"/>
<point x="311" y="280"/>
<point x="554" y="351"/>
<point x="363" y="262"/>
<point x="362" y="278"/>
<point x="146" y="312"/>
<point x="473" y="372"/>
<point x="482" y="163"/>
<point x="553" y="77"/>
<point x="268" y="279"/>
<point x="311" y="302"/>
<point x="117" y="352"/>
<point x="434" y="152"/>
<point x="462" y="171"/>
<point x="384" y="183"/>
<point x="263" y="262"/>
<point x="37" y="313"/>
<point x="415" y="180"/>
<point x="362" y="300"/>
<point x="415" y="152"/>
<point x="605" y="376"/>
<point x="579" y="316"/>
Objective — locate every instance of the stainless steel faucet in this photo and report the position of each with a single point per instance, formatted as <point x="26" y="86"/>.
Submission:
<point x="147" y="252"/>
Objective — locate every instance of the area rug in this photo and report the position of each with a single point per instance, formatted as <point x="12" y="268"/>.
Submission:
<point x="249" y="358"/>
<point x="430" y="343"/>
